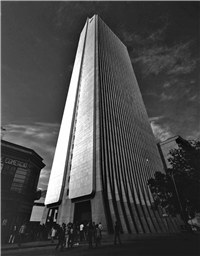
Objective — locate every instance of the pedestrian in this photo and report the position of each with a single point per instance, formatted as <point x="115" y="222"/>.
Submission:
<point x="45" y="232"/>
<point x="90" y="234"/>
<point x="53" y="234"/>
<point x="71" y="236"/>
<point x="21" y="234"/>
<point x="81" y="232"/>
<point x="13" y="234"/>
<point x="97" y="236"/>
<point x="64" y="228"/>
<point x="101" y="229"/>
<point x="59" y="231"/>
<point x="86" y="230"/>
<point x="117" y="233"/>
<point x="40" y="232"/>
<point x="76" y="233"/>
<point x="67" y="235"/>
<point x="61" y="236"/>
<point x="94" y="230"/>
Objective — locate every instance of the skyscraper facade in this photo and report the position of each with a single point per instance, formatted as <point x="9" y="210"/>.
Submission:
<point x="106" y="150"/>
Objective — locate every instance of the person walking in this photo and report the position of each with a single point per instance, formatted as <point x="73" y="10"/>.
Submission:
<point x="117" y="233"/>
<point x="81" y="232"/>
<point x="61" y="237"/>
<point x="90" y="234"/>
<point x="94" y="230"/>
<point x="76" y="233"/>
<point x="21" y="234"/>
<point x="67" y="230"/>
<point x="59" y="231"/>
<point x="101" y="229"/>
<point x="86" y="231"/>
<point x="97" y="236"/>
<point x="53" y="234"/>
<point x="71" y="236"/>
<point x="13" y="234"/>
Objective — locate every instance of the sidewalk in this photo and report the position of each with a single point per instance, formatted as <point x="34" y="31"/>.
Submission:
<point x="106" y="239"/>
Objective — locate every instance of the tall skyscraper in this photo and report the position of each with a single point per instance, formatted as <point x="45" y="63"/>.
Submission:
<point x="106" y="150"/>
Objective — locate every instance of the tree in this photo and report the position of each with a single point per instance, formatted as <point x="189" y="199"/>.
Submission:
<point x="178" y="190"/>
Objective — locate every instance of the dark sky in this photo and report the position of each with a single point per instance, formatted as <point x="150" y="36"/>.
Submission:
<point x="38" y="47"/>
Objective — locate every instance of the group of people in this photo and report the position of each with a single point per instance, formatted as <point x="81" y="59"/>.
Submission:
<point x="28" y="232"/>
<point x="21" y="234"/>
<point x="73" y="233"/>
<point x="94" y="233"/>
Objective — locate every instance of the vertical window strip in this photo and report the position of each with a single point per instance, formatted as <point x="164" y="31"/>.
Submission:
<point x="116" y="172"/>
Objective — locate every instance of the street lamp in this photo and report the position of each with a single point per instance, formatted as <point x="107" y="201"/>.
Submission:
<point x="166" y="216"/>
<point x="177" y="194"/>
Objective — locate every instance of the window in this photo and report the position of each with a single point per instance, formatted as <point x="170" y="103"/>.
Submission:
<point x="22" y="180"/>
<point x="9" y="170"/>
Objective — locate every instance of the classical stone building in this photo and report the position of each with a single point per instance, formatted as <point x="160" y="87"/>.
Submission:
<point x="20" y="171"/>
<point x="106" y="150"/>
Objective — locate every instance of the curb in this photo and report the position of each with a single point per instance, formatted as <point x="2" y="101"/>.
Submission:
<point x="126" y="239"/>
<point x="24" y="246"/>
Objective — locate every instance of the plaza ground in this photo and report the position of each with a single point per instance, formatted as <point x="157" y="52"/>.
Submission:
<point x="133" y="245"/>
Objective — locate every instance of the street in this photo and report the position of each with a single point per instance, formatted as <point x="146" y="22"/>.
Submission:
<point x="167" y="247"/>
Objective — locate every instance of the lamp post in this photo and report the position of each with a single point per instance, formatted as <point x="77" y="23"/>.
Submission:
<point x="177" y="194"/>
<point x="166" y="216"/>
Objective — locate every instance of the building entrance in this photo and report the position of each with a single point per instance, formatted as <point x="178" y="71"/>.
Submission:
<point x="52" y="217"/>
<point x="82" y="212"/>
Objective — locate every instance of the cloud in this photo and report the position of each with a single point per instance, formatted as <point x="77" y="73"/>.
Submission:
<point x="150" y="93"/>
<point x="174" y="60"/>
<point x="195" y="97"/>
<point x="149" y="51"/>
<point x="161" y="132"/>
<point x="44" y="173"/>
<point x="167" y="84"/>
<point x="69" y="23"/>
<point x="147" y="46"/>
<point x="183" y="68"/>
<point x="172" y="90"/>
<point x="195" y="135"/>
<point x="155" y="118"/>
<point x="44" y="178"/>
<point x="172" y="81"/>
<point x="164" y="97"/>
<point x="41" y="137"/>
<point x="144" y="37"/>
